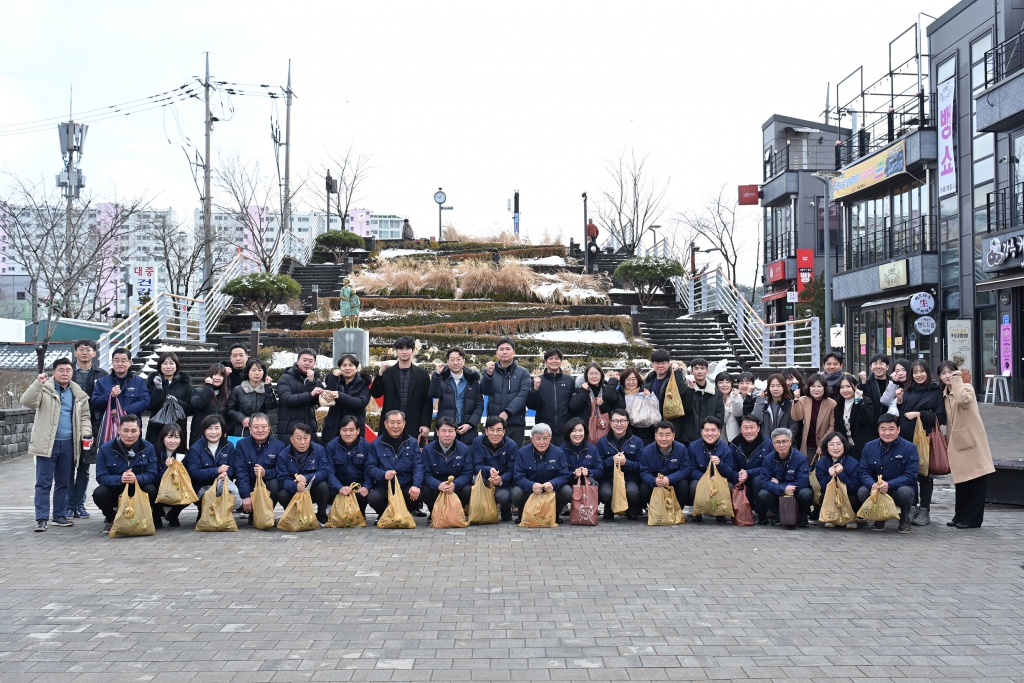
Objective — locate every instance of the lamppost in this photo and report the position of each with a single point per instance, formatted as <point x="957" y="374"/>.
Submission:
<point x="586" y="238"/>
<point x="332" y="188"/>
<point x="827" y="178"/>
<point x="654" y="239"/>
<point x="440" y="198"/>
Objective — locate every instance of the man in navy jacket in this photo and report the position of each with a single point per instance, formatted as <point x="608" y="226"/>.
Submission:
<point x="125" y="460"/>
<point x="494" y="457"/>
<point x="710" y="448"/>
<point x="123" y="384"/>
<point x="348" y="453"/>
<point x="304" y="465"/>
<point x="445" y="457"/>
<point x="541" y="467"/>
<point x="665" y="462"/>
<point x="394" y="454"/>
<point x="749" y="449"/>
<point x="257" y="453"/>
<point x="894" y="459"/>
<point x="785" y="473"/>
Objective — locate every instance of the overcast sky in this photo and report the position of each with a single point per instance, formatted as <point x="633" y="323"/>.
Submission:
<point x="479" y="98"/>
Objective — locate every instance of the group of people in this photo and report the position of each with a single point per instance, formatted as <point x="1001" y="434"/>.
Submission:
<point x="857" y="430"/>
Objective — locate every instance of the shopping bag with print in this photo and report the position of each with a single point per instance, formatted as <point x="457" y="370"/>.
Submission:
<point x="741" y="506"/>
<point x="583" y="508"/>
<point x="482" y="508"/>
<point x="262" y="506"/>
<point x="539" y="511"/>
<point x="619" y="501"/>
<point x="835" y="504"/>
<point x="176" y="486"/>
<point x="663" y="508"/>
<point x="134" y="514"/>
<point x="300" y="514"/>
<point x="216" y="509"/>
<point x="714" y="495"/>
<point x="396" y="515"/>
<point x="879" y="506"/>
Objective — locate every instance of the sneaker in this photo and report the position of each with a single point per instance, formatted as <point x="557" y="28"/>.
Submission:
<point x="879" y="526"/>
<point x="62" y="521"/>
<point x="904" y="527"/>
<point x="107" y="526"/>
<point x="40" y="525"/>
<point x="82" y="512"/>
<point x="830" y="525"/>
<point x="922" y="518"/>
<point x="914" y="511"/>
<point x="853" y="525"/>
<point x="70" y="513"/>
<point x="802" y="522"/>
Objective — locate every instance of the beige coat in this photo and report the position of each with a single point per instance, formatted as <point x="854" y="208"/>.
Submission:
<point x="967" y="442"/>
<point x="802" y="408"/>
<point x="44" y="399"/>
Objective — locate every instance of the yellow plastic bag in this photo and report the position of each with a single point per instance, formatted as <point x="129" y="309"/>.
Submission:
<point x="345" y="512"/>
<point x="664" y="508"/>
<point x="835" y="505"/>
<point x="539" y="511"/>
<point x="299" y="515"/>
<point x="262" y="506"/>
<point x="713" y="496"/>
<point x="176" y="486"/>
<point x="879" y="506"/>
<point x="447" y="512"/>
<point x="215" y="512"/>
<point x="134" y="514"/>
<point x="673" y="405"/>
<point x="482" y="508"/>
<point x="396" y="515"/>
<point x="619" y="502"/>
<point x="924" y="448"/>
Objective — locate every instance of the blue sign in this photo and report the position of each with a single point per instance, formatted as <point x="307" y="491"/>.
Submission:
<point x="1006" y="320"/>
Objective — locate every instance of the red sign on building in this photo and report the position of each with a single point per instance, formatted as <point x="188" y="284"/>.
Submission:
<point x="804" y="268"/>
<point x="777" y="271"/>
<point x="749" y="195"/>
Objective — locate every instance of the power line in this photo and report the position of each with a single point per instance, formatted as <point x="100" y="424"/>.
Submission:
<point x="130" y="103"/>
<point x="108" y="113"/>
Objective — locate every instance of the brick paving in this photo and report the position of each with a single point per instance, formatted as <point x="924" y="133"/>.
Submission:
<point x="619" y="602"/>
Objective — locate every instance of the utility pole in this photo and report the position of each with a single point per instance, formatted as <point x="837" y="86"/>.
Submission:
<point x="207" y="205"/>
<point x="287" y="210"/>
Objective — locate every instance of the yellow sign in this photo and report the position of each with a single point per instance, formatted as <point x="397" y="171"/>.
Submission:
<point x="871" y="171"/>
<point x="892" y="274"/>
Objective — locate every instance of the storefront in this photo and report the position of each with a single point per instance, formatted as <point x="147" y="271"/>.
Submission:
<point x="900" y="326"/>
<point x="1001" y="351"/>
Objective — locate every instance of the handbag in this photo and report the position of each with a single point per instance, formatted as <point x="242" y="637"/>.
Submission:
<point x="262" y="506"/>
<point x="923" y="443"/>
<point x="111" y="422"/>
<point x="744" y="514"/>
<point x="176" y="486"/>
<point x="134" y="515"/>
<point x="169" y="413"/>
<point x="396" y="514"/>
<point x="619" y="501"/>
<point x="673" y="406"/>
<point x="598" y="425"/>
<point x="813" y="477"/>
<point x="539" y="511"/>
<point x="345" y="512"/>
<point x="215" y="511"/>
<point x="482" y="508"/>
<point x="788" y="510"/>
<point x="447" y="511"/>
<point x="663" y="509"/>
<point x="938" y="463"/>
<point x="583" y="508"/>
<point x="644" y="412"/>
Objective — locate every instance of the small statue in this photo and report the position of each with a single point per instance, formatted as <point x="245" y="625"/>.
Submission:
<point x="349" y="306"/>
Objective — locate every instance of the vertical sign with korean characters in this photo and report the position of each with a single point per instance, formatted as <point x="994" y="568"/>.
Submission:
<point x="144" y="280"/>
<point x="947" y="156"/>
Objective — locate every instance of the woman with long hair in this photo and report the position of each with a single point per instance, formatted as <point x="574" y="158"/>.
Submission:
<point x="170" y="443"/>
<point x="211" y="398"/>
<point x="631" y="386"/>
<point x="922" y="399"/>
<point x="254" y="394"/>
<point x="795" y="382"/>
<point x="774" y="407"/>
<point x="167" y="381"/>
<point x="854" y="416"/>
<point x="733" y="405"/>
<point x="970" y="458"/>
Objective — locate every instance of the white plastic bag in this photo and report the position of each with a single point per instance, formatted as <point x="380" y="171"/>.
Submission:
<point x="645" y="411"/>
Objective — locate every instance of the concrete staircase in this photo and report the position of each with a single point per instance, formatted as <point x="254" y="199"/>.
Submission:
<point x="708" y="335"/>
<point x="327" y="276"/>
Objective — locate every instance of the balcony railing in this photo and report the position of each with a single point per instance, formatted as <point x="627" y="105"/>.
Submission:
<point x="916" y="113"/>
<point x="1006" y="208"/>
<point x="914" y="236"/>
<point x="1005" y="59"/>
<point x="805" y="155"/>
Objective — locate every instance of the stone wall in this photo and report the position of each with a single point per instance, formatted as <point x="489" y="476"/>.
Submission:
<point x="15" y="431"/>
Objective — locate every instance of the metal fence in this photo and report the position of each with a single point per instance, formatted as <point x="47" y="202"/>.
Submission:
<point x="1005" y="59"/>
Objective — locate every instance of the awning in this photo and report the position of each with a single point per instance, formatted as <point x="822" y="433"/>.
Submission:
<point x="1000" y="283"/>
<point x="879" y="304"/>
<point x="775" y="295"/>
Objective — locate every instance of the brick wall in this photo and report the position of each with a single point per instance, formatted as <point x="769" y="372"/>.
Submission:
<point x="15" y="431"/>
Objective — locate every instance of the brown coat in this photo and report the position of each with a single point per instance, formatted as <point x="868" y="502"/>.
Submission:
<point x="967" y="442"/>
<point x="802" y="408"/>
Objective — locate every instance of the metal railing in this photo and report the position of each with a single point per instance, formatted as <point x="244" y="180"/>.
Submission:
<point x="915" y="114"/>
<point x="914" y="236"/>
<point x="1005" y="59"/>
<point x="793" y="342"/>
<point x="170" y="317"/>
<point x="806" y="155"/>
<point x="1005" y="208"/>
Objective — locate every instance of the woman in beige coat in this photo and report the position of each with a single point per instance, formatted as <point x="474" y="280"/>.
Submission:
<point x="817" y="412"/>
<point x="970" y="459"/>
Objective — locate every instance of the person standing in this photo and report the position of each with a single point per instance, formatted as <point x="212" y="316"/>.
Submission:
<point x="970" y="457"/>
<point x="656" y="383"/>
<point x="817" y="412"/>
<point x="209" y="398"/>
<point x="62" y="421"/>
<point x="551" y="394"/>
<point x="631" y="387"/>
<point x="921" y="400"/>
<point x="854" y="416"/>
<point x="508" y="386"/>
<point x="254" y="395"/>
<point x="353" y="394"/>
<point x="168" y="380"/>
<point x="733" y="400"/>
<point x="457" y="390"/>
<point x="774" y="408"/>
<point x="234" y="368"/>
<point x="298" y="391"/>
<point x="123" y="384"/>
<point x="832" y="372"/>
<point x="406" y="388"/>
<point x="879" y="388"/>
<point x="85" y="374"/>
<point x="594" y="395"/>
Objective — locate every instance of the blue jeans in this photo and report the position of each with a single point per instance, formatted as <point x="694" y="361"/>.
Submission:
<point x="54" y="472"/>
<point x="79" y="483"/>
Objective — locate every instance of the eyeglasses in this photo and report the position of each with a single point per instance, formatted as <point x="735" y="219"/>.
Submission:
<point x="620" y="422"/>
<point x="780" y="442"/>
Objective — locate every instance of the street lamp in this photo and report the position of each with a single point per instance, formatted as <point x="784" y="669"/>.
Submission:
<point x="586" y="238"/>
<point x="693" y="256"/>
<point x="654" y="238"/>
<point x="827" y="178"/>
<point x="332" y="188"/>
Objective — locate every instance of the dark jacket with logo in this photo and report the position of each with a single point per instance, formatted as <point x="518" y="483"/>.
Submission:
<point x="676" y="466"/>
<point x="551" y="400"/>
<point x="203" y="467"/>
<point x="509" y="389"/>
<point x="848" y="476"/>
<point x="630" y="446"/>
<point x="442" y="388"/>
<point x="793" y="471"/>
<point x="407" y="462"/>
<point x="551" y="467"/>
<point x="349" y="464"/>
<point x="700" y="459"/>
<point x="313" y="465"/>
<point x="295" y="404"/>
<point x="502" y="458"/>
<point x="437" y="468"/>
<point x="134" y="396"/>
<point x="248" y="453"/>
<point x="755" y="461"/>
<point x="114" y="458"/>
<point x="584" y="455"/>
<point x="896" y="462"/>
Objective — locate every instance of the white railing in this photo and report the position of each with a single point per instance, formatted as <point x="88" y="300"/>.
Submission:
<point x="298" y="247"/>
<point x="170" y="317"/>
<point x="796" y="343"/>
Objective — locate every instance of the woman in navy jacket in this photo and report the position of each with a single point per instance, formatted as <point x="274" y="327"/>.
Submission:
<point x="836" y="462"/>
<point x="212" y="457"/>
<point x="348" y="453"/>
<point x="584" y="459"/>
<point x="620" y="444"/>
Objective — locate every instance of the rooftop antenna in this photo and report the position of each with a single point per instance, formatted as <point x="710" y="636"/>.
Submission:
<point x="828" y="87"/>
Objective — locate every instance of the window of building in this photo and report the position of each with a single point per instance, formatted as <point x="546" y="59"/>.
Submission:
<point x="983" y="167"/>
<point x="20" y="296"/>
<point x="779" y="241"/>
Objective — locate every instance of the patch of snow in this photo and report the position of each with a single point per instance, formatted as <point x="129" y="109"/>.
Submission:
<point x="395" y="253"/>
<point x="568" y="291"/>
<point x="546" y="261"/>
<point x="585" y="336"/>
<point x="372" y="313"/>
<point x="286" y="359"/>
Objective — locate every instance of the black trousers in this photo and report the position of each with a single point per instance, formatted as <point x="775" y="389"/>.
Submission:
<point x="429" y="496"/>
<point x="925" y="486"/>
<point x="468" y="437"/>
<point x="562" y="497"/>
<point x="106" y="497"/>
<point x="320" y="493"/>
<point x="517" y="434"/>
<point x="637" y="495"/>
<point x="903" y="497"/>
<point x="378" y="498"/>
<point x="753" y="489"/>
<point x="804" y="498"/>
<point x="969" y="508"/>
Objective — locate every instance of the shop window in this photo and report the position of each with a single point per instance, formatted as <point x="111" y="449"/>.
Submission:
<point x="988" y="335"/>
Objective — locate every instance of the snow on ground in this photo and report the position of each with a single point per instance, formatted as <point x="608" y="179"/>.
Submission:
<point x="546" y="261"/>
<point x="585" y="336"/>
<point x="286" y="359"/>
<point x="372" y="313"/>
<point x="395" y="253"/>
<point x="569" y="292"/>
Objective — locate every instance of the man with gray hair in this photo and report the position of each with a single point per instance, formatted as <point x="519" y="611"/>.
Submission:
<point x="785" y="473"/>
<point x="539" y="468"/>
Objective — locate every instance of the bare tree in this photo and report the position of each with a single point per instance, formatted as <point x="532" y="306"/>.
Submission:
<point x="246" y="192"/>
<point x="633" y="203"/>
<point x="181" y="250"/>
<point x="352" y="170"/>
<point x="69" y="257"/>
<point x="718" y="223"/>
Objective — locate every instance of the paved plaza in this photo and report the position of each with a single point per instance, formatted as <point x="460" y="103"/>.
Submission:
<point x="622" y="601"/>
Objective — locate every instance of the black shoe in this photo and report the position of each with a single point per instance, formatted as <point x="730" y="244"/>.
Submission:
<point x="879" y="526"/>
<point x="107" y="526"/>
<point x="62" y="521"/>
<point x="40" y="525"/>
<point x="608" y="514"/>
<point x="158" y="523"/>
<point x="951" y="524"/>
<point x="518" y="520"/>
<point x="762" y="520"/>
<point x="721" y="520"/>
<point x="775" y="521"/>
<point x="802" y="522"/>
<point x="961" y="525"/>
<point x="506" y="516"/>
<point x="698" y="518"/>
<point x="173" y="521"/>
<point x="904" y="526"/>
<point x="632" y="515"/>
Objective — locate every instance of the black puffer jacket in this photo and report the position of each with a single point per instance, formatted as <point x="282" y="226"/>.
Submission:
<point x="296" y="404"/>
<point x="243" y="404"/>
<point x="919" y="398"/>
<point x="204" y="404"/>
<point x="579" y="404"/>
<point x="352" y="400"/>
<point x="180" y="387"/>
<point x="551" y="400"/>
<point x="472" y="402"/>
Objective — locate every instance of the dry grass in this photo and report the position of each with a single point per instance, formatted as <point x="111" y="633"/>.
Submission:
<point x="438" y="278"/>
<point x="394" y="276"/>
<point x="512" y="279"/>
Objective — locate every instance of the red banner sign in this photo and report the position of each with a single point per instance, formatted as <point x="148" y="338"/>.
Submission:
<point x="777" y="271"/>
<point x="804" y="268"/>
<point x="750" y="195"/>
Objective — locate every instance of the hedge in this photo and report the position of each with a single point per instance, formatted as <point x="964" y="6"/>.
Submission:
<point x="523" y="345"/>
<point x="520" y="326"/>
<point x="528" y="253"/>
